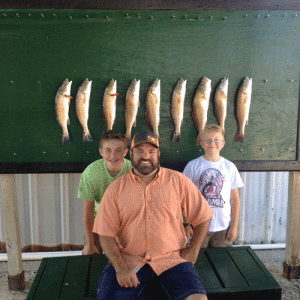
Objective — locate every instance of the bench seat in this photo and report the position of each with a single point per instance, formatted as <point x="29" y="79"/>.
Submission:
<point x="229" y="273"/>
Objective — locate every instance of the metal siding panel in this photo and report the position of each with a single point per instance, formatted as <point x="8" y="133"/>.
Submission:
<point x="76" y="211"/>
<point x="263" y="208"/>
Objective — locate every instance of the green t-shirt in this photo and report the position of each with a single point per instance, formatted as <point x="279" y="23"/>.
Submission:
<point x="95" y="179"/>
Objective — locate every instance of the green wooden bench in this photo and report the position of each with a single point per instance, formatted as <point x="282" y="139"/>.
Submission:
<point x="229" y="273"/>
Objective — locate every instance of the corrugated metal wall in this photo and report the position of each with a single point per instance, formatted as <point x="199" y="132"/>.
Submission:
<point x="51" y="214"/>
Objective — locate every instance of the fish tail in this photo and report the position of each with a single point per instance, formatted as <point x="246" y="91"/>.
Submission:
<point x="87" y="137"/>
<point x="176" y="137"/>
<point x="128" y="137"/>
<point x="156" y="133"/>
<point x="65" y="138"/>
<point x="198" y="140"/>
<point x="239" y="137"/>
<point x="223" y="126"/>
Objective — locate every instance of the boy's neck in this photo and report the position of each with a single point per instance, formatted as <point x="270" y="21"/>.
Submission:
<point x="213" y="158"/>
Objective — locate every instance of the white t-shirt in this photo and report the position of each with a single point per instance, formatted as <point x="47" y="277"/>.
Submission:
<point x="215" y="180"/>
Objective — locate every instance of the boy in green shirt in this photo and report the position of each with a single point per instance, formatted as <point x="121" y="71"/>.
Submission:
<point x="96" y="178"/>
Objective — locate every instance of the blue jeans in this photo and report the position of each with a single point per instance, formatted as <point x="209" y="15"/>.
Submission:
<point x="179" y="282"/>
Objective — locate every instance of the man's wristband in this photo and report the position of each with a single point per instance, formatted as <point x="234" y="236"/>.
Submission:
<point x="187" y="224"/>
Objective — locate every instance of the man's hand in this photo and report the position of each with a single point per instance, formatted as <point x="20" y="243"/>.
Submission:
<point x="189" y="254"/>
<point x="189" y="231"/>
<point x="231" y="234"/>
<point x="127" y="278"/>
<point x="90" y="249"/>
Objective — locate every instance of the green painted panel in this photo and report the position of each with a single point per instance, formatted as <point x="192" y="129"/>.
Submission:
<point x="40" y="48"/>
<point x="98" y="263"/>
<point x="226" y="269"/>
<point x="75" y="280"/>
<point x="250" y="270"/>
<point x="207" y="272"/>
<point x="50" y="285"/>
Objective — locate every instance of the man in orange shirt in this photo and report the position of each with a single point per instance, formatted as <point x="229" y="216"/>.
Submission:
<point x="141" y="231"/>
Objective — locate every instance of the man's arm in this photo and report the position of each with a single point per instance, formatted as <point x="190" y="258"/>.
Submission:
<point x="88" y="223"/>
<point x="235" y="212"/>
<point x="191" y="253"/>
<point x="126" y="277"/>
<point x="188" y="229"/>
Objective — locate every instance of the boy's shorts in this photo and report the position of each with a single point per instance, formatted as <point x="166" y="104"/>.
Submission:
<point x="216" y="239"/>
<point x="178" y="282"/>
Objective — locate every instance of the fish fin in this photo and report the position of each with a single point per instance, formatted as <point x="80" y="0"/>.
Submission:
<point x="116" y="94"/>
<point x="68" y="96"/>
<point x="68" y="121"/>
<point x="134" y="123"/>
<point x="246" y="122"/>
<point x="239" y="137"/>
<point x="176" y="137"/>
<point x="65" y="139"/>
<point x="87" y="137"/>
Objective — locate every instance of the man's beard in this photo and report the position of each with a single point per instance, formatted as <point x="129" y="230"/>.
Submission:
<point x="145" y="169"/>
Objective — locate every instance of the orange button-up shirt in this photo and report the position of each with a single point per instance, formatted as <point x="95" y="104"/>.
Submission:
<point x="146" y="220"/>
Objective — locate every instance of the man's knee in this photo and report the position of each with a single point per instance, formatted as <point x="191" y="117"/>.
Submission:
<point x="196" y="297"/>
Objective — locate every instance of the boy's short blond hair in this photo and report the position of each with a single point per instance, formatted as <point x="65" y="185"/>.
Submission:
<point x="113" y="134"/>
<point x="215" y="128"/>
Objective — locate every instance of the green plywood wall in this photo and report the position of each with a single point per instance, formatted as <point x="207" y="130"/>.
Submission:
<point x="40" y="48"/>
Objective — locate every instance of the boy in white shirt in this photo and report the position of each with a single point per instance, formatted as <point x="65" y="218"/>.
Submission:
<point x="218" y="181"/>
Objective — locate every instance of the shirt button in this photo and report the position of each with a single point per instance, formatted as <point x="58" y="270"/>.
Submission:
<point x="148" y="249"/>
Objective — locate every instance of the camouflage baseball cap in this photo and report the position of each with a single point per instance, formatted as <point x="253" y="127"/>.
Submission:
<point x="145" y="137"/>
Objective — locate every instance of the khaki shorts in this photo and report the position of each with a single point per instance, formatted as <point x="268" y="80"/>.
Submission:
<point x="216" y="239"/>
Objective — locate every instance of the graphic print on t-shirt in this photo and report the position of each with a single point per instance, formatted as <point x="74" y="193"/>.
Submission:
<point x="210" y="185"/>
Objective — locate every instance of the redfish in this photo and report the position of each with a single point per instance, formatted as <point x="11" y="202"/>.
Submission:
<point x="131" y="106"/>
<point x="200" y="106"/>
<point x="110" y="104"/>
<point x="82" y="108"/>
<point x="221" y="102"/>
<point x="62" y="103"/>
<point x="177" y="109"/>
<point x="243" y="108"/>
<point x="153" y="106"/>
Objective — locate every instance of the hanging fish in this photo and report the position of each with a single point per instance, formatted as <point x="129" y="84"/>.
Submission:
<point x="178" y="107"/>
<point x="221" y="102"/>
<point x="153" y="106"/>
<point x="62" y="103"/>
<point x="110" y="104"/>
<point x="131" y="106"/>
<point x="200" y="106"/>
<point x="82" y="108"/>
<point x="243" y="108"/>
